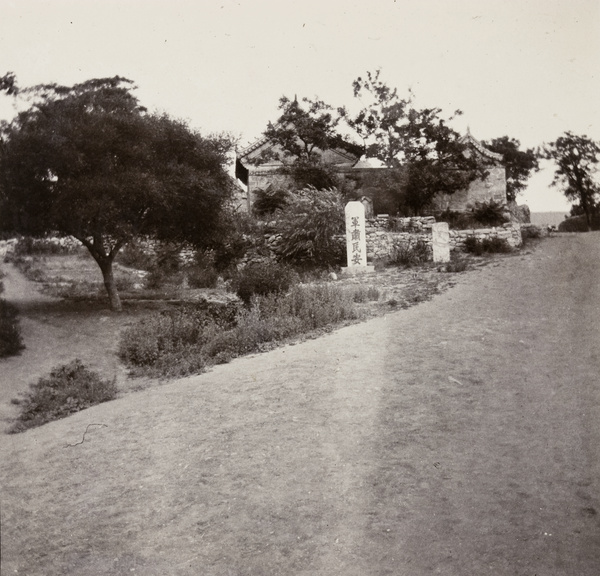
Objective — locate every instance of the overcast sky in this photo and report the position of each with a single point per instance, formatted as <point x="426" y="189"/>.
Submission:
<point x="523" y="68"/>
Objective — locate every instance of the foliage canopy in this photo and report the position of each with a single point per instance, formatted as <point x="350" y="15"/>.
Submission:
<point x="90" y="162"/>
<point x="576" y="158"/>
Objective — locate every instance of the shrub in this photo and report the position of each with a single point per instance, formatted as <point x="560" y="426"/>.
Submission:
<point x="410" y="254"/>
<point x="310" y="227"/>
<point x="68" y="389"/>
<point x="11" y="342"/>
<point x="269" y="200"/>
<point x="473" y="246"/>
<point x="170" y="343"/>
<point x="262" y="278"/>
<point x="456" y="264"/>
<point x="492" y="245"/>
<point x="490" y="213"/>
<point x="573" y="224"/>
<point x="496" y="245"/>
<point x="530" y="231"/>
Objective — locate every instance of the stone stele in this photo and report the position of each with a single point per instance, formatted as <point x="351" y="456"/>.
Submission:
<point x="440" y="235"/>
<point x="356" y="239"/>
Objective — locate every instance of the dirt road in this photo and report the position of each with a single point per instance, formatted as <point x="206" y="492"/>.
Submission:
<point x="459" y="437"/>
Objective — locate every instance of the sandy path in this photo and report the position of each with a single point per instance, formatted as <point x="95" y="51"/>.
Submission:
<point x="457" y="437"/>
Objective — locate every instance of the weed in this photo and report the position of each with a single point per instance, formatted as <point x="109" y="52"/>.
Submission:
<point x="409" y="255"/>
<point x="68" y="389"/>
<point x="458" y="265"/>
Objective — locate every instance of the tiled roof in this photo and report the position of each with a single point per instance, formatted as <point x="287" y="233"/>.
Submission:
<point x="470" y="139"/>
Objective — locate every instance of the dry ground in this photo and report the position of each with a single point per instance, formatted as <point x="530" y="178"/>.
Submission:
<point x="457" y="437"/>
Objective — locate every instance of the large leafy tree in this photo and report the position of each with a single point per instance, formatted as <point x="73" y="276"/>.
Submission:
<point x="576" y="158"/>
<point x="392" y="129"/>
<point x="88" y="161"/>
<point x="519" y="163"/>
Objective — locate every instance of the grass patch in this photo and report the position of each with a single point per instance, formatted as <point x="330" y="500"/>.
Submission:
<point x="366" y="294"/>
<point x="189" y="340"/>
<point x="68" y="389"/>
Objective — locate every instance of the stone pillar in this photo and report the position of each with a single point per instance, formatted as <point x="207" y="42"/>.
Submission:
<point x="440" y="234"/>
<point x="356" y="239"/>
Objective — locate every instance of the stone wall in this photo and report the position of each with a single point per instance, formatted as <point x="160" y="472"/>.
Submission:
<point x="383" y="236"/>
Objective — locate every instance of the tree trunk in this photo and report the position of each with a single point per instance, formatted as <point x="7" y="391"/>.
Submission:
<point x="111" y="287"/>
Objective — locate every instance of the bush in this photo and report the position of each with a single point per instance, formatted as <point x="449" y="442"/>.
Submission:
<point x="573" y="224"/>
<point x="456" y="264"/>
<point x="170" y="343"/>
<point x="11" y="342"/>
<point x="492" y="245"/>
<point x="490" y="213"/>
<point x="473" y="246"/>
<point x="530" y="231"/>
<point x="68" y="389"/>
<point x="484" y="215"/>
<point x="262" y="278"/>
<point x="311" y="228"/>
<point x="496" y="245"/>
<point x="270" y="200"/>
<point x="409" y="255"/>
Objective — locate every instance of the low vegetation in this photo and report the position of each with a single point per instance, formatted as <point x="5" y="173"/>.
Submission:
<point x="262" y="278"/>
<point x="409" y="255"/>
<point x="66" y="390"/>
<point x="187" y="340"/>
<point x="483" y="215"/>
<point x="495" y="245"/>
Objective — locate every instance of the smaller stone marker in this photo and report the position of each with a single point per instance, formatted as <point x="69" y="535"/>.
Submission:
<point x="440" y="235"/>
<point x="356" y="239"/>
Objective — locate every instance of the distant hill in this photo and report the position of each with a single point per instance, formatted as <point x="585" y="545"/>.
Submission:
<point x="547" y="218"/>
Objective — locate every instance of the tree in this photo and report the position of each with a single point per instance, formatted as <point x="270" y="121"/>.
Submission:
<point x="519" y="163"/>
<point x="399" y="134"/>
<point x="576" y="159"/>
<point x="301" y="135"/>
<point x="88" y="161"/>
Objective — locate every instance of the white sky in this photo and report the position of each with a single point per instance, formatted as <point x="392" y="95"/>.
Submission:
<point x="523" y="68"/>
